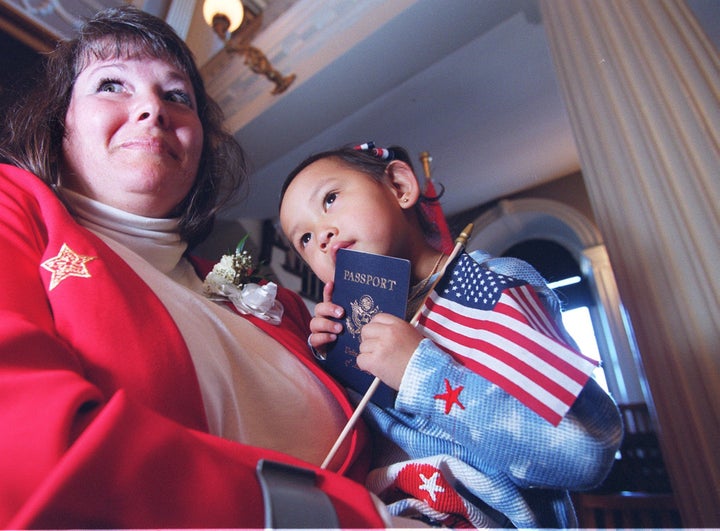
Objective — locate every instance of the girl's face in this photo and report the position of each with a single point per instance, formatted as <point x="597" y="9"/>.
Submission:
<point x="329" y="206"/>
<point x="133" y="136"/>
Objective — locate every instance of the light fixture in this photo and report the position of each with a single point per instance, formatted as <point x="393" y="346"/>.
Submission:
<point x="224" y="17"/>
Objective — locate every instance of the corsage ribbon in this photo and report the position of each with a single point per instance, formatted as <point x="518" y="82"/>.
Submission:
<point x="256" y="300"/>
<point x="228" y="279"/>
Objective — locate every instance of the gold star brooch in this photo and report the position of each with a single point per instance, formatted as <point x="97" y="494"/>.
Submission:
<point x="66" y="264"/>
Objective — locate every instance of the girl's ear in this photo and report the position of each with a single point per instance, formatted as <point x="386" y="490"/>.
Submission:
<point x="404" y="183"/>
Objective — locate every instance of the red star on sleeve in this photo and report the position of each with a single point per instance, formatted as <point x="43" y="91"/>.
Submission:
<point x="450" y="396"/>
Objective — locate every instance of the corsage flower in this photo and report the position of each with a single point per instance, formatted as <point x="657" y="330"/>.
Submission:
<point x="232" y="279"/>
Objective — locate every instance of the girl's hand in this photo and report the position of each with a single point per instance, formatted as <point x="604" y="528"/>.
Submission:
<point x="323" y="329"/>
<point x="386" y="347"/>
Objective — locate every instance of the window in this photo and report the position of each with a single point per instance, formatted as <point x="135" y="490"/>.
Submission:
<point x="579" y="325"/>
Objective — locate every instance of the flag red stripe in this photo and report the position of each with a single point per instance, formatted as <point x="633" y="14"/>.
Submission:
<point x="547" y="356"/>
<point x="515" y="307"/>
<point x="489" y="349"/>
<point x="512" y="388"/>
<point x="528" y="299"/>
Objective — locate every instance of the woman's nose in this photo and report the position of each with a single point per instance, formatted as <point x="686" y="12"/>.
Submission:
<point x="152" y="108"/>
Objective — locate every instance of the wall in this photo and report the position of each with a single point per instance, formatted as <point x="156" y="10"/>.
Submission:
<point x="569" y="190"/>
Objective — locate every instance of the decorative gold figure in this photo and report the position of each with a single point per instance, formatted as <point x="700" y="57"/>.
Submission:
<point x="254" y="58"/>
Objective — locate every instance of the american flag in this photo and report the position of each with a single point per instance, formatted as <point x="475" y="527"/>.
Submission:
<point x="496" y="326"/>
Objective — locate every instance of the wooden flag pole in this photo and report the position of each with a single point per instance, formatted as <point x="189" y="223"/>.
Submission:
<point x="460" y="242"/>
<point x="425" y="159"/>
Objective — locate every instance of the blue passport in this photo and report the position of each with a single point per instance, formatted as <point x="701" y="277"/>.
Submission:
<point x="365" y="284"/>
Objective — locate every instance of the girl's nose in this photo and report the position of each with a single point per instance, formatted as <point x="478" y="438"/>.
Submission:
<point x="326" y="237"/>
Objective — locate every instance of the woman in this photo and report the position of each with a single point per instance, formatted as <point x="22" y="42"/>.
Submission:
<point x="127" y="397"/>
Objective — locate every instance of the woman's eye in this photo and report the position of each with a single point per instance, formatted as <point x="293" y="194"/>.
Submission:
<point x="110" y="85"/>
<point x="329" y="199"/>
<point x="180" y="96"/>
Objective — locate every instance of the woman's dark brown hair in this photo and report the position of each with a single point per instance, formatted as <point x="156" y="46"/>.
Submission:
<point x="33" y="128"/>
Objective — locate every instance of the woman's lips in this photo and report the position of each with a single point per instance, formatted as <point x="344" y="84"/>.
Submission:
<point x="154" y="145"/>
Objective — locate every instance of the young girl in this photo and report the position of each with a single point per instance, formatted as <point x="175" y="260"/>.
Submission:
<point x="456" y="448"/>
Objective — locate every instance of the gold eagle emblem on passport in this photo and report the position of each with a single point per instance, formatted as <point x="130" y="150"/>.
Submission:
<point x="361" y="311"/>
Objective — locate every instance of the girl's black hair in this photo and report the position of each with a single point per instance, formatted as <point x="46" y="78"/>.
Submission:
<point x="368" y="162"/>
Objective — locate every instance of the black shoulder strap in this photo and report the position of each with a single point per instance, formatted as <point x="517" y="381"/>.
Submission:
<point x="292" y="499"/>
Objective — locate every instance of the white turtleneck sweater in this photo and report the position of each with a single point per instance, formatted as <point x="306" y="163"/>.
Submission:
<point x="254" y="390"/>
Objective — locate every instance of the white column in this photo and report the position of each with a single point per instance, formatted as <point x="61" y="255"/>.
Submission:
<point x="179" y="15"/>
<point x="641" y="83"/>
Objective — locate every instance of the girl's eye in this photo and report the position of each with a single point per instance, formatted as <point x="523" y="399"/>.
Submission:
<point x="110" y="85"/>
<point x="304" y="239"/>
<point x="180" y="96"/>
<point x="329" y="199"/>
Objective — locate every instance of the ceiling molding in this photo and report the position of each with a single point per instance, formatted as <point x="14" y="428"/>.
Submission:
<point x="56" y="18"/>
<point x="24" y="29"/>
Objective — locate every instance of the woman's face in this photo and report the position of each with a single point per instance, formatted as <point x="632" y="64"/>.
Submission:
<point x="133" y="136"/>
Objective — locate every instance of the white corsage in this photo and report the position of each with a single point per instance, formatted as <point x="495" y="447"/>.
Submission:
<point x="231" y="279"/>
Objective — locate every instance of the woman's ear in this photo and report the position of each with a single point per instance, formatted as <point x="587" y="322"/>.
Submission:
<point x="404" y="183"/>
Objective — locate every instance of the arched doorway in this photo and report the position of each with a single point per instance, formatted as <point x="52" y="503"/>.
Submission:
<point x="513" y="223"/>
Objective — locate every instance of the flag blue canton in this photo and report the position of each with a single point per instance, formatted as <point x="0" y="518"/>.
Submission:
<point x="474" y="285"/>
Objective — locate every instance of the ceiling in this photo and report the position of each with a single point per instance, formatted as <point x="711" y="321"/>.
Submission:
<point x="470" y="81"/>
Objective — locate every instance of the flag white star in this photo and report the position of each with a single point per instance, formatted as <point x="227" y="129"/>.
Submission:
<point x="430" y="485"/>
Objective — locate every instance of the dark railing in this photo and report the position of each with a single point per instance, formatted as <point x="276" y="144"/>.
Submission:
<point x="637" y="492"/>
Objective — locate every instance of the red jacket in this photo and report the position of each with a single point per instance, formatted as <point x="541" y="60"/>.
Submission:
<point x="101" y="418"/>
